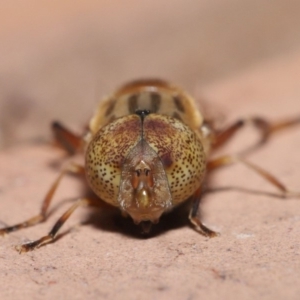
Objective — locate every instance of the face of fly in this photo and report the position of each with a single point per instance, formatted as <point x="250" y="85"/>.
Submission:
<point x="144" y="190"/>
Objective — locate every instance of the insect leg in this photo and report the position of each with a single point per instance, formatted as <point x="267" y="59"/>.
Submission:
<point x="195" y="218"/>
<point x="265" y="127"/>
<point x="42" y="216"/>
<point x="231" y="159"/>
<point x="50" y="237"/>
<point x="69" y="141"/>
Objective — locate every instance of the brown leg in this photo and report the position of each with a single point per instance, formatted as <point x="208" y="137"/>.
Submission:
<point x="50" y="237"/>
<point x="265" y="127"/>
<point x="42" y="216"/>
<point x="231" y="159"/>
<point x="69" y="141"/>
<point x="195" y="218"/>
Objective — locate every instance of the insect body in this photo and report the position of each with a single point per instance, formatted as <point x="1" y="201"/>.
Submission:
<point x="146" y="159"/>
<point x="146" y="151"/>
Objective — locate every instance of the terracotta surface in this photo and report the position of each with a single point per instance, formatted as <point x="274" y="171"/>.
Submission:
<point x="101" y="256"/>
<point x="257" y="255"/>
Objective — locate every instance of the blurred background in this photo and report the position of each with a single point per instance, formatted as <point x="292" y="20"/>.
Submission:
<point x="59" y="57"/>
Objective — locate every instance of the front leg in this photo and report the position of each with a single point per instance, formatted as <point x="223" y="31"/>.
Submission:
<point x="195" y="218"/>
<point x="43" y="215"/>
<point x="50" y="237"/>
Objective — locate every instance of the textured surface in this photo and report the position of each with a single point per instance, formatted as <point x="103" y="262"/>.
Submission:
<point x="257" y="254"/>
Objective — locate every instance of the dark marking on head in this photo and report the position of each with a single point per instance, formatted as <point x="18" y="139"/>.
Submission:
<point x="156" y="124"/>
<point x="142" y="113"/>
<point x="166" y="160"/>
<point x="110" y="108"/>
<point x="155" y="102"/>
<point x="178" y="103"/>
<point x="133" y="103"/>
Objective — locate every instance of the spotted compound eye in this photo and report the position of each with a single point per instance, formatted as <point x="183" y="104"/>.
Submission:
<point x="145" y="165"/>
<point x="106" y="154"/>
<point x="180" y="151"/>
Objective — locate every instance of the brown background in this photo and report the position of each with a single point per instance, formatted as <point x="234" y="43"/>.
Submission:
<point x="57" y="58"/>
